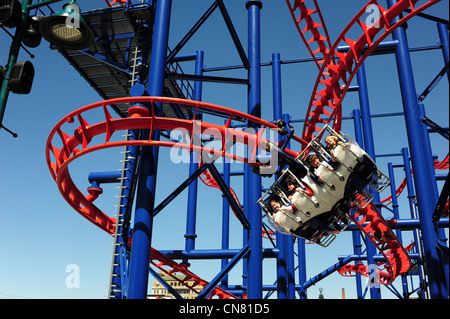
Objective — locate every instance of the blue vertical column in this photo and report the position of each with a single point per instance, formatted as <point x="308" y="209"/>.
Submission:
<point x="301" y="245"/>
<point x="282" y="292"/>
<point x="193" y="166"/>
<point x="145" y="196"/>
<point x="225" y="219"/>
<point x="411" y="198"/>
<point x="422" y="178"/>
<point x="290" y="267"/>
<point x="395" y="209"/>
<point x="369" y="147"/>
<point x="253" y="181"/>
<point x="370" y="248"/>
<point x="434" y="192"/>
<point x="356" y="234"/>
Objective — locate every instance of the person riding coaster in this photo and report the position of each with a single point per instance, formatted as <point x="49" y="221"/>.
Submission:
<point x="350" y="163"/>
<point x="302" y="214"/>
<point x="326" y="188"/>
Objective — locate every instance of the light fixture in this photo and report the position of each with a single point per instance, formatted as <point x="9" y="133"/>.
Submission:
<point x="32" y="38"/>
<point x="67" y="29"/>
<point x="21" y="77"/>
<point x="10" y="13"/>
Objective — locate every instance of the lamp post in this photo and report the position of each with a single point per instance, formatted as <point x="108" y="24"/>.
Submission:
<point x="13" y="53"/>
<point x="66" y="29"/>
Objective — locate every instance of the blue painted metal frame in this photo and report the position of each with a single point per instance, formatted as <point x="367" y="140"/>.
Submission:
<point x="225" y="270"/>
<point x="252" y="239"/>
<point x="119" y="271"/>
<point x="423" y="181"/>
<point x="187" y="183"/>
<point x="366" y="140"/>
<point x="396" y="212"/>
<point x="140" y="250"/>
<point x="282" y="277"/>
<point x="253" y="193"/>
<point x="193" y="166"/>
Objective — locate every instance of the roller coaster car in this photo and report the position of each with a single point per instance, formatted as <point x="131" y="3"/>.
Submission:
<point x="318" y="207"/>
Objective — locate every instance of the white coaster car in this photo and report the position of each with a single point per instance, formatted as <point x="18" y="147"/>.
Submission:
<point x="318" y="209"/>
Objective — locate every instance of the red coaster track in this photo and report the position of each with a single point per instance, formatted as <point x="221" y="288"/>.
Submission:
<point x="63" y="148"/>
<point x="329" y="91"/>
<point x="334" y="78"/>
<point x="325" y="106"/>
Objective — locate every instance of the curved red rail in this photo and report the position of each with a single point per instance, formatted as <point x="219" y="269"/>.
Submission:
<point x="63" y="148"/>
<point x="384" y="276"/>
<point x="334" y="78"/>
<point x="306" y="26"/>
<point x="329" y="91"/>
<point x="85" y="140"/>
<point x="374" y="226"/>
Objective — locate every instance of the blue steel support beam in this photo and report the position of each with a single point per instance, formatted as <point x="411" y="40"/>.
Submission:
<point x="253" y="181"/>
<point x="433" y="191"/>
<point x="225" y="270"/>
<point x="404" y="224"/>
<point x="191" y="32"/>
<point x="422" y="180"/>
<point x="191" y="179"/>
<point x="217" y="79"/>
<point x="409" y="181"/>
<point x="212" y="254"/>
<point x="302" y="267"/>
<point x="342" y="262"/>
<point x="225" y="220"/>
<point x="428" y="152"/>
<point x="282" y="291"/>
<point x="193" y="166"/>
<point x="145" y="198"/>
<point x="398" y="232"/>
<point x="229" y="196"/>
<point x="356" y="235"/>
<point x="233" y="34"/>
<point x="290" y="246"/>
<point x="443" y="37"/>
<point x="105" y="177"/>
<point x="366" y="138"/>
<point x="412" y="206"/>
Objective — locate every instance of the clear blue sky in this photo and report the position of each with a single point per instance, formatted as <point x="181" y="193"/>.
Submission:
<point x="40" y="234"/>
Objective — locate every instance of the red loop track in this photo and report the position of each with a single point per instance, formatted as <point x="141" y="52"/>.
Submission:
<point x="63" y="148"/>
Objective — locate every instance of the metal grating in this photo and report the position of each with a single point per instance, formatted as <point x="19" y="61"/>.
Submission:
<point x="108" y="64"/>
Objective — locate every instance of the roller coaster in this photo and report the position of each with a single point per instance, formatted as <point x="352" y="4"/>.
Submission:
<point x="336" y="196"/>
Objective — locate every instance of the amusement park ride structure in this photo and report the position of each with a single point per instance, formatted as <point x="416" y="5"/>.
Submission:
<point x="147" y="96"/>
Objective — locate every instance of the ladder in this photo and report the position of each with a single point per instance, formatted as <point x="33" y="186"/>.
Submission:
<point x="119" y="269"/>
